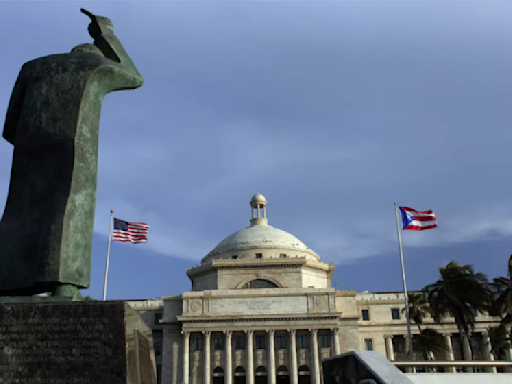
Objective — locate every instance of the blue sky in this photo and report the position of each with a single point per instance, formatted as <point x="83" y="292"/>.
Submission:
<point x="329" y="109"/>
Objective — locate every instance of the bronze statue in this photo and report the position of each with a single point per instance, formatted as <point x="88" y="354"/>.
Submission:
<point x="53" y="123"/>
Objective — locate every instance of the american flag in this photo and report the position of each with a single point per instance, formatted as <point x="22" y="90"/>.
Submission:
<point x="417" y="220"/>
<point x="133" y="232"/>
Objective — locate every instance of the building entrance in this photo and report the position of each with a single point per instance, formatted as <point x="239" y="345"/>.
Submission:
<point x="304" y="375"/>
<point x="283" y="376"/>
<point x="239" y="375"/>
<point x="260" y="375"/>
<point x="218" y="375"/>
<point x="283" y="379"/>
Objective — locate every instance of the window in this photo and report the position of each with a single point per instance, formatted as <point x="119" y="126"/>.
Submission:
<point x="282" y="371"/>
<point x="261" y="371"/>
<point x="158" y="317"/>
<point x="302" y="341"/>
<point x="218" y="372"/>
<point x="259" y="255"/>
<point x="198" y="343"/>
<point x="457" y="347"/>
<point x="234" y="257"/>
<point x="239" y="342"/>
<point x="239" y="371"/>
<point x="281" y="342"/>
<point x="395" y="313"/>
<point x="476" y="344"/>
<point x="366" y="314"/>
<point x="282" y="255"/>
<point x="368" y="344"/>
<point x="323" y="341"/>
<point x="398" y="344"/>
<point x="259" y="341"/>
<point x="158" y="349"/>
<point x="218" y="343"/>
<point x="260" y="283"/>
<point x="304" y="369"/>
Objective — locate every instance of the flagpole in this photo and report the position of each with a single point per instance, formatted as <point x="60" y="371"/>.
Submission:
<point x="108" y="255"/>
<point x="406" y="301"/>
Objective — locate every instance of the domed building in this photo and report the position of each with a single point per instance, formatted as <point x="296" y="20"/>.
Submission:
<point x="262" y="311"/>
<point x="260" y="256"/>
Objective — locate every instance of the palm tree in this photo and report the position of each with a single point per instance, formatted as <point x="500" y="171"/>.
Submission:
<point x="460" y="291"/>
<point x="500" y="341"/>
<point x="501" y="305"/>
<point x="429" y="342"/>
<point x="418" y="308"/>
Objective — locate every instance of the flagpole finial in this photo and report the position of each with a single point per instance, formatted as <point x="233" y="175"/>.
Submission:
<point x="111" y="211"/>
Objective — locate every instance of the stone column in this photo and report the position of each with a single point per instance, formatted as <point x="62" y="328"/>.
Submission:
<point x="250" y="357"/>
<point x="449" y="353"/>
<point x="389" y="347"/>
<point x="207" y="358"/>
<point x="294" y="378"/>
<point x="314" y="357"/>
<point x="186" y="355"/>
<point x="271" y="358"/>
<point x="228" y="373"/>
<point x="336" y="341"/>
<point x="487" y="351"/>
<point x="258" y="207"/>
<point x="264" y="211"/>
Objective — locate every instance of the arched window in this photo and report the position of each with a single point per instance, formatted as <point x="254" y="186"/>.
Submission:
<point x="260" y="283"/>
<point x="303" y="370"/>
<point x="261" y="371"/>
<point x="239" y="371"/>
<point x="218" y="372"/>
<point x="282" y="371"/>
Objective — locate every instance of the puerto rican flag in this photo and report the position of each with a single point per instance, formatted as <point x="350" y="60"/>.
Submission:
<point x="417" y="220"/>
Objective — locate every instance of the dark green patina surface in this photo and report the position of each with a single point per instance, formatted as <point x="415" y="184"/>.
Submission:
<point x="53" y="123"/>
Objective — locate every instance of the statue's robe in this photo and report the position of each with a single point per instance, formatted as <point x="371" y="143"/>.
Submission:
<point x="53" y="122"/>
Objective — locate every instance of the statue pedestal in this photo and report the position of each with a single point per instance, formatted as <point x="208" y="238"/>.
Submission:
<point x="92" y="342"/>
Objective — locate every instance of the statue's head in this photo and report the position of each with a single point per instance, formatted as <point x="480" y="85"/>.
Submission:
<point x="87" y="47"/>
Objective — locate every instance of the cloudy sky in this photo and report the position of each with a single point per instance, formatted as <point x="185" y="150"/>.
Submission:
<point x="329" y="109"/>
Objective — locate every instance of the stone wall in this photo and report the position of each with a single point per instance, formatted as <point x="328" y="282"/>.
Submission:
<point x="172" y="355"/>
<point x="315" y="278"/>
<point x="236" y="278"/>
<point x="207" y="281"/>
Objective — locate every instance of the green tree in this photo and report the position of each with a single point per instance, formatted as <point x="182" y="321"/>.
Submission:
<point x="418" y="308"/>
<point x="501" y="303"/>
<point x="429" y="342"/>
<point x="460" y="291"/>
<point x="500" y="341"/>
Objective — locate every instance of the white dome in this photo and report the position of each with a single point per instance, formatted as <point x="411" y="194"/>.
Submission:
<point x="259" y="235"/>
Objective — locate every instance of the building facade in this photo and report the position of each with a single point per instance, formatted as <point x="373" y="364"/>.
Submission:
<point x="262" y="311"/>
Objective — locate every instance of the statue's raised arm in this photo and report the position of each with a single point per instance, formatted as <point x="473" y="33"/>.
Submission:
<point x="102" y="31"/>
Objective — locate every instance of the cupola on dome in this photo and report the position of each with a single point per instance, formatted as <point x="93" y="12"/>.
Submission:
<point x="258" y="198"/>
